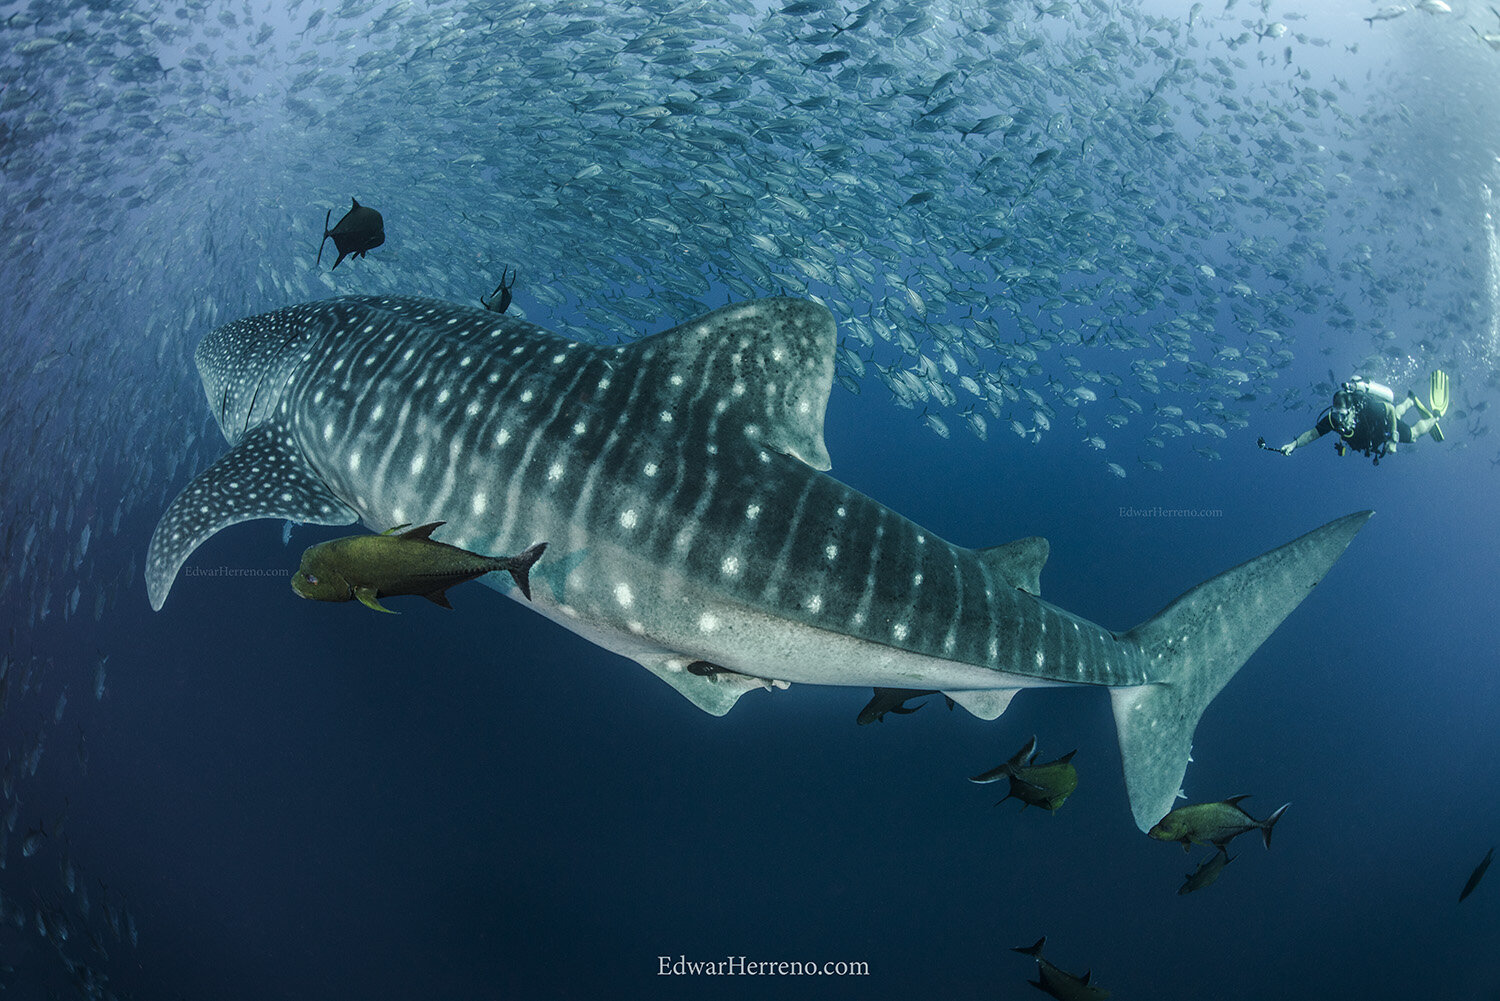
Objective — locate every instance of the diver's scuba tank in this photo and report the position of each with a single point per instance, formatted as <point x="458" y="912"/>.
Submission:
<point x="1359" y="384"/>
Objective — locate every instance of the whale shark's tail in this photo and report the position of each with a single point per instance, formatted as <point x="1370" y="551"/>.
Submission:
<point x="1194" y="646"/>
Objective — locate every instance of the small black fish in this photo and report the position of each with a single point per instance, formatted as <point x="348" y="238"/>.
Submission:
<point x="1476" y="875"/>
<point x="890" y="700"/>
<point x="502" y="303"/>
<point x="360" y="230"/>
<point x="894" y="701"/>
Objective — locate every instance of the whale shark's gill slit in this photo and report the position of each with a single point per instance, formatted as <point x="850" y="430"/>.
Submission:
<point x="513" y="489"/>
<point x="271" y="358"/>
<point x="251" y="409"/>
<point x="676" y="540"/>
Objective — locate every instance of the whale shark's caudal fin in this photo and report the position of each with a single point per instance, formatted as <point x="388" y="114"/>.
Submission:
<point x="1196" y="644"/>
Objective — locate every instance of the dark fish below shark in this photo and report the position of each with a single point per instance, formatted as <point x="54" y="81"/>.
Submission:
<point x="1057" y="982"/>
<point x="1047" y="785"/>
<point x="678" y="481"/>
<point x="1208" y="871"/>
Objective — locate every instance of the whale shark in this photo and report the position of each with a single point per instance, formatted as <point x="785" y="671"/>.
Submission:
<point x="680" y="484"/>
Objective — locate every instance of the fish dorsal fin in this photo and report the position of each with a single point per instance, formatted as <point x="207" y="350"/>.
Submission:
<point x="396" y="529"/>
<point x="263" y="476"/>
<point x="761" y="369"/>
<point x="423" y="531"/>
<point x="1235" y="800"/>
<point x="1018" y="563"/>
<point x="1025" y="754"/>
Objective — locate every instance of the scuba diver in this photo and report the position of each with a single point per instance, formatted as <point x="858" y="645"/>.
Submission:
<point x="1368" y="419"/>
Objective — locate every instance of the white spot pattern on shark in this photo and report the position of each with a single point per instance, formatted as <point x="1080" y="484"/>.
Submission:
<point x="678" y="481"/>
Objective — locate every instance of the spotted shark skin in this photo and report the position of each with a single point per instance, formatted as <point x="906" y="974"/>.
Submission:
<point x="679" y="484"/>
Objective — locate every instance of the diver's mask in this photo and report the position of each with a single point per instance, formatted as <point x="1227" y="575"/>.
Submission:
<point x="1344" y="414"/>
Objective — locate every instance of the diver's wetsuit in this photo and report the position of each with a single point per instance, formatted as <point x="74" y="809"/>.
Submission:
<point x="1374" y="420"/>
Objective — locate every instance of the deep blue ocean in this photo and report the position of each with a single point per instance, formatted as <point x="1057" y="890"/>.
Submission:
<point x="247" y="796"/>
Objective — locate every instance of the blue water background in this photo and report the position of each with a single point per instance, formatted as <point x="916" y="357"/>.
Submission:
<point x="303" y="801"/>
<point x="318" y="801"/>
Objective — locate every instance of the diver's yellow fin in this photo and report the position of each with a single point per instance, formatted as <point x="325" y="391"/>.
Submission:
<point x="1438" y="399"/>
<point x="366" y="596"/>
<point x="1437" y="394"/>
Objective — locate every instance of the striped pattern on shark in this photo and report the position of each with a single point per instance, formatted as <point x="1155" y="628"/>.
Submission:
<point x="679" y="484"/>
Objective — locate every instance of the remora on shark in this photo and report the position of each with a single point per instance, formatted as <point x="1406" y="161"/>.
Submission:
<point x="678" y="483"/>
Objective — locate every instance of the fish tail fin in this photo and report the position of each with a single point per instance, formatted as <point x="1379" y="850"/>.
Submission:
<point x="324" y="241"/>
<point x="1270" y="822"/>
<point x="1031" y="950"/>
<point x="520" y="566"/>
<point x="1196" y="644"/>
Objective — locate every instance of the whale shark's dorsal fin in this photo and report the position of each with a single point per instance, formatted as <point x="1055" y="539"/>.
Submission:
<point x="264" y="476"/>
<point x="1019" y="563"/>
<point x="763" y="368"/>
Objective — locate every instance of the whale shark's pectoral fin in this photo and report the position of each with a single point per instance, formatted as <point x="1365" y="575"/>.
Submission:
<point x="711" y="688"/>
<point x="264" y="476"/>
